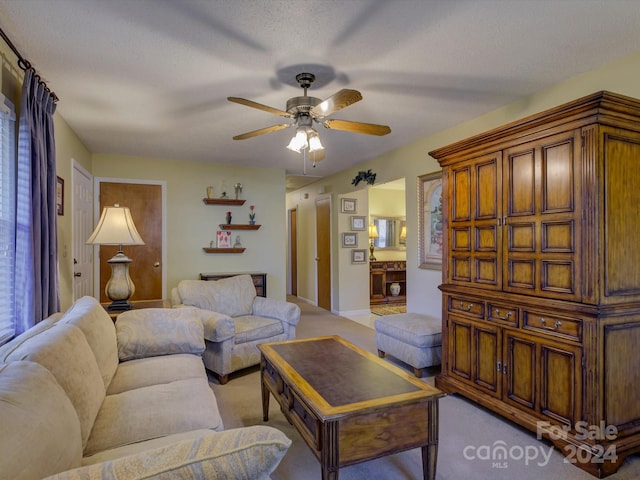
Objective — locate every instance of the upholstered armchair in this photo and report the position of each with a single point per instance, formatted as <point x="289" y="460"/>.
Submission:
<point x="241" y="321"/>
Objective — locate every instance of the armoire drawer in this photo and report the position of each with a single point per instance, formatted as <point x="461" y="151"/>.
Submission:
<point x="470" y="307"/>
<point x="554" y="325"/>
<point x="502" y="313"/>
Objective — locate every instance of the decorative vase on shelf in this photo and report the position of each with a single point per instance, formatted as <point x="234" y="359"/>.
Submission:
<point x="229" y="218"/>
<point x="394" y="288"/>
<point x="252" y="215"/>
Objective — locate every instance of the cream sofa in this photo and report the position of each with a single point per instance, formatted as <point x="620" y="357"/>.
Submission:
<point x="239" y="320"/>
<point x="82" y="399"/>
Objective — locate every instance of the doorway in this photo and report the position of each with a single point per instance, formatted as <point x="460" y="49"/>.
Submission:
<point x="146" y="203"/>
<point x="323" y="252"/>
<point x="82" y="226"/>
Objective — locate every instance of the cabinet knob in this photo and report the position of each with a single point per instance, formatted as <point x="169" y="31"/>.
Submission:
<point x="468" y="307"/>
<point x="543" y="321"/>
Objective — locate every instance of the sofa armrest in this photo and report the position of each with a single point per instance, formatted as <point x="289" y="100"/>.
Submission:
<point x="284" y="311"/>
<point x="218" y="327"/>
<point x="247" y="453"/>
<point x="151" y="332"/>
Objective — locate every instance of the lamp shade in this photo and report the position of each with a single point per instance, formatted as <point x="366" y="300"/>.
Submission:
<point x="403" y="232"/>
<point x="115" y="227"/>
<point x="373" y="231"/>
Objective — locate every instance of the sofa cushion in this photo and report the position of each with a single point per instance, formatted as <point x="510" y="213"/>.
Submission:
<point x="39" y="430"/>
<point x="250" y="453"/>
<point x="232" y="296"/>
<point x="94" y="321"/>
<point x="154" y="411"/>
<point x="64" y="351"/>
<point x="46" y="324"/>
<point x="145" y="372"/>
<point x="150" y="332"/>
<point x="250" y="328"/>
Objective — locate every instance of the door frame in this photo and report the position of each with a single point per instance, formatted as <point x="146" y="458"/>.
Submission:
<point x="78" y="169"/>
<point x="96" y="215"/>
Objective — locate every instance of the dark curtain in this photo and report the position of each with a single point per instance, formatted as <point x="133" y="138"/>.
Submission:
<point x="37" y="287"/>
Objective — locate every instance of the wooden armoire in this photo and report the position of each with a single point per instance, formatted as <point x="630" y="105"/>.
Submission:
<point x="541" y="276"/>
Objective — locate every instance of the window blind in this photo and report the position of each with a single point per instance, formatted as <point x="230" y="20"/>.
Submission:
<point x="7" y="218"/>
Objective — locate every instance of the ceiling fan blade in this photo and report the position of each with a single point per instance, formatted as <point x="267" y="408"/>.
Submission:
<point x="335" y="102"/>
<point x="259" y="106"/>
<point x="262" y="131"/>
<point x="357" y="127"/>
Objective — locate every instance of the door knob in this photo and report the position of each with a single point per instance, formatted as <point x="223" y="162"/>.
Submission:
<point x="77" y="274"/>
<point x="156" y="265"/>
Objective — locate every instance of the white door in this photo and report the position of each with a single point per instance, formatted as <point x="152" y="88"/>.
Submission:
<point x="82" y="208"/>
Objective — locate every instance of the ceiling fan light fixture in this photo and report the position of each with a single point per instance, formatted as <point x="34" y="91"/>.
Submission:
<point x="314" y="141"/>
<point x="299" y="142"/>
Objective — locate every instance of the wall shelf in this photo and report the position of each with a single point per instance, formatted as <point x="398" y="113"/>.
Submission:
<point x="223" y="250"/>
<point x="239" y="226"/>
<point x="222" y="201"/>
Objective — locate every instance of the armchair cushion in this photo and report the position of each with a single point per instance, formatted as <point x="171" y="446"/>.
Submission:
<point x="250" y="328"/>
<point x="232" y="296"/>
<point x="151" y="332"/>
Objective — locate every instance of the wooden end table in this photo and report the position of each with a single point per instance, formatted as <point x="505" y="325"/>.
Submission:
<point x="135" y="305"/>
<point x="347" y="404"/>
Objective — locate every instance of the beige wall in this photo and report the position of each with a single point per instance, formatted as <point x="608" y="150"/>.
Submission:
<point x="191" y="225"/>
<point x="413" y="160"/>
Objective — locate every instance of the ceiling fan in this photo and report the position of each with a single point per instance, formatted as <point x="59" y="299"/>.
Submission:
<point x="304" y="111"/>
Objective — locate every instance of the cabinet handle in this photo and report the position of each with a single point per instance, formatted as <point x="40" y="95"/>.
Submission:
<point x="499" y="367"/>
<point x="469" y="306"/>
<point x="506" y="317"/>
<point x="543" y="322"/>
<point x="504" y="369"/>
<point x="557" y="324"/>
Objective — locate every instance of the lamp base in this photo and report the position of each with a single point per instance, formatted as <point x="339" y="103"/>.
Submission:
<point x="119" y="288"/>
<point x="371" y="257"/>
<point x="119" y="306"/>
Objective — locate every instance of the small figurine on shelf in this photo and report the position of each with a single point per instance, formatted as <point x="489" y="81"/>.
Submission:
<point x="252" y="215"/>
<point x="238" y="188"/>
<point x="237" y="244"/>
<point x="229" y="218"/>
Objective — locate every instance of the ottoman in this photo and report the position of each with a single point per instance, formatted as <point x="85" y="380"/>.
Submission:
<point x="413" y="338"/>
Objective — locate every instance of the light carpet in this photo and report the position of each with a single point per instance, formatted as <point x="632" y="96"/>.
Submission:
<point x="468" y="433"/>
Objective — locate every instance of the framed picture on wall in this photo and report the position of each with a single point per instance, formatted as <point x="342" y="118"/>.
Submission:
<point x="430" y="217"/>
<point x="350" y="240"/>
<point x="349" y="205"/>
<point x="358" y="223"/>
<point x="358" y="256"/>
<point x="60" y="196"/>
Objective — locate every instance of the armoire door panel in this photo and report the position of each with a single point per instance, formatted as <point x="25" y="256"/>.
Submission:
<point x="520" y="369"/>
<point x="460" y="349"/>
<point x="486" y="238"/>
<point x="559" y="381"/>
<point x="486" y="187"/>
<point x="558" y="237"/>
<point x="521" y="237"/>
<point x="461" y="239"/>
<point x="558" y="191"/>
<point x="461" y="194"/>
<point x="461" y="269"/>
<point x="486" y="271"/>
<point x="521" y="197"/>
<point x="522" y="274"/>
<point x="557" y="276"/>
<point x="487" y="355"/>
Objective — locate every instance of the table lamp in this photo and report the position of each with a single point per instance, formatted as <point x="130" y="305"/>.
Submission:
<point x="373" y="234"/>
<point x="116" y="227"/>
<point x="403" y="234"/>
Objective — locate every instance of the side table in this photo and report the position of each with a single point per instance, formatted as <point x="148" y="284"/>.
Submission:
<point x="135" y="305"/>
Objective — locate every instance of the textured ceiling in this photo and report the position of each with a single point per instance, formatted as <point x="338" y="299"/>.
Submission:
<point x="151" y="77"/>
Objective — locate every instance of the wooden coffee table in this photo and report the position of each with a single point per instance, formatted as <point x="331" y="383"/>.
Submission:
<point x="349" y="405"/>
